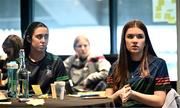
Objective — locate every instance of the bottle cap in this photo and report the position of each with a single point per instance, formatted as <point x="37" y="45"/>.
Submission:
<point x="12" y="65"/>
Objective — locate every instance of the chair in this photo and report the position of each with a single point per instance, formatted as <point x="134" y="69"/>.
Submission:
<point x="172" y="100"/>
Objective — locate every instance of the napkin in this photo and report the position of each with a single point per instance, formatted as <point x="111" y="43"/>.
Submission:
<point x="36" y="102"/>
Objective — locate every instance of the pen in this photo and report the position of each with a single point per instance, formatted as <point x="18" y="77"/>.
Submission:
<point x="89" y="95"/>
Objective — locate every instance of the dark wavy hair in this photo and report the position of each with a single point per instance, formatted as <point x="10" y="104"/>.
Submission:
<point x="14" y="42"/>
<point x="28" y="35"/>
<point x="121" y="73"/>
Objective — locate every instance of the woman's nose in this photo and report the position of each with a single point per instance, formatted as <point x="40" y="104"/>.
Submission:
<point x="82" y="47"/>
<point x="43" y="39"/>
<point x="135" y="39"/>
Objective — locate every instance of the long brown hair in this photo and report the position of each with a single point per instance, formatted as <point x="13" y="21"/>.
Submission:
<point x="120" y="73"/>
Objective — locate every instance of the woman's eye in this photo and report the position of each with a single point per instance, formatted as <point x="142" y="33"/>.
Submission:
<point x="79" y="46"/>
<point x="40" y="36"/>
<point x="130" y="36"/>
<point x="140" y="36"/>
<point x="85" y="45"/>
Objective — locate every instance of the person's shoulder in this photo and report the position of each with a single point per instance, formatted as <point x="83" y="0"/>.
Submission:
<point x="97" y="56"/>
<point x="3" y="57"/>
<point x="70" y="58"/>
<point x="115" y="63"/>
<point x="93" y="57"/>
<point x="155" y="59"/>
<point x="53" y="56"/>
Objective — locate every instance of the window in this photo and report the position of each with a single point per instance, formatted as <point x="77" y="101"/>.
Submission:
<point x="68" y="18"/>
<point x="9" y="19"/>
<point x="160" y="18"/>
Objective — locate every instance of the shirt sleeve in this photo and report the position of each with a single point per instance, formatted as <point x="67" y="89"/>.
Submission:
<point x="162" y="80"/>
<point x="103" y="66"/>
<point x="60" y="71"/>
<point x="68" y="63"/>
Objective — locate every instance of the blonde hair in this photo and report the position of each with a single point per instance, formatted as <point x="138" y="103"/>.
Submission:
<point x="78" y="38"/>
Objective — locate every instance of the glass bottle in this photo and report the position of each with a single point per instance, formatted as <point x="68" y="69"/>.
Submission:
<point x="23" y="77"/>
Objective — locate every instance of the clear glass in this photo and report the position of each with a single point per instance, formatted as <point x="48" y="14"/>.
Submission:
<point x="160" y="18"/>
<point x="67" y="19"/>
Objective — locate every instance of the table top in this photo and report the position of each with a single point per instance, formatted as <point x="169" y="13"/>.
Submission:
<point x="68" y="101"/>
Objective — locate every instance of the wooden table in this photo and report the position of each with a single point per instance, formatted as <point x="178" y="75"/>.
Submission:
<point x="69" y="101"/>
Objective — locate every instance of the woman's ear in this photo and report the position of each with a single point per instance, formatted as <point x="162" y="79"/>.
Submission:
<point x="28" y="38"/>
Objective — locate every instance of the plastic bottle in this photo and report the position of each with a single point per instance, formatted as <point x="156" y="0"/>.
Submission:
<point x="12" y="67"/>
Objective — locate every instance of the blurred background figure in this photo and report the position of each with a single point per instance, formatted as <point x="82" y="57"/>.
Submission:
<point x="11" y="46"/>
<point x="85" y="69"/>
